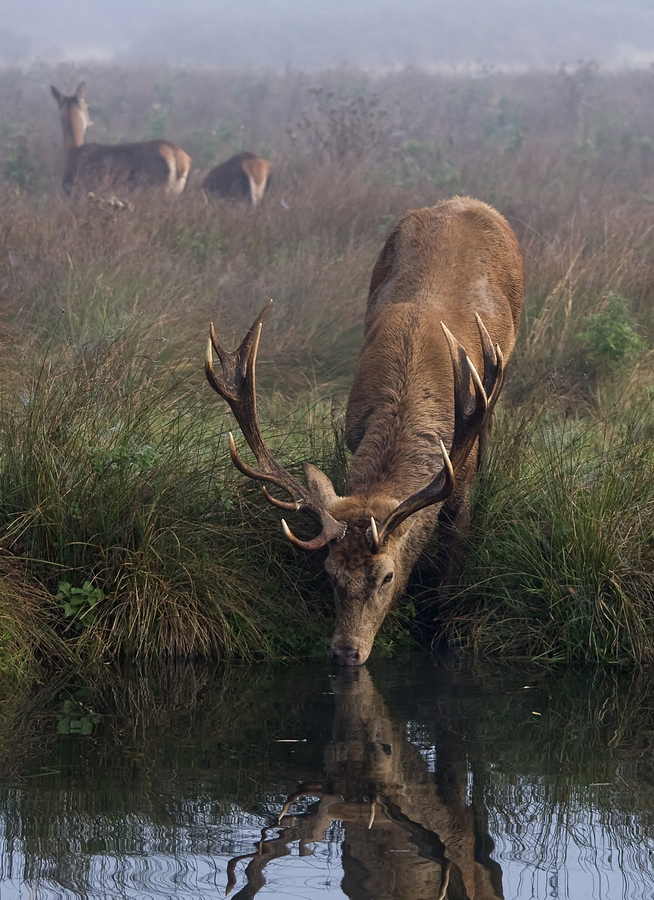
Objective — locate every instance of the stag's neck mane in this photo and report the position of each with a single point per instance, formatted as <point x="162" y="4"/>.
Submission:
<point x="395" y="420"/>
<point x="396" y="462"/>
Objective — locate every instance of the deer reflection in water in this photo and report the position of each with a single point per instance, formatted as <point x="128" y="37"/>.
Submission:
<point x="409" y="833"/>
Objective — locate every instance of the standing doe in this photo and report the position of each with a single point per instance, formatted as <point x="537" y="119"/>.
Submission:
<point x="145" y="164"/>
<point x="454" y="266"/>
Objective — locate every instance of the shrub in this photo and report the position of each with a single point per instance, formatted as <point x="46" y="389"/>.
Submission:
<point x="20" y="166"/>
<point x="610" y="338"/>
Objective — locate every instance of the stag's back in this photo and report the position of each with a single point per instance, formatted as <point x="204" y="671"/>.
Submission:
<point x="442" y="263"/>
<point x="456" y="258"/>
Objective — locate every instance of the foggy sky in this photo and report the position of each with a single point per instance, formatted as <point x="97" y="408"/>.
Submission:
<point x="313" y="33"/>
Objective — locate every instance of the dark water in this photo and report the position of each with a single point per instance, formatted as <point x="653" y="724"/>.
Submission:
<point x="407" y="780"/>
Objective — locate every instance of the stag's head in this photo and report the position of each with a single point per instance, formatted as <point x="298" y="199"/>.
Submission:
<point x="372" y="541"/>
<point x="368" y="577"/>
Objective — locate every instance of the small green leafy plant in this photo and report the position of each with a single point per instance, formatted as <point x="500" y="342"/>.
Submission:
<point x="78" y="604"/>
<point x="609" y="338"/>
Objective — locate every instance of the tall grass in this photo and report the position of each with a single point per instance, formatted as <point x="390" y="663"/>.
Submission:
<point x="113" y="464"/>
<point x="115" y="474"/>
<point x="562" y="559"/>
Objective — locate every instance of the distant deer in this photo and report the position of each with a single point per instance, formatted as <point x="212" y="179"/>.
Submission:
<point x="412" y="423"/>
<point x="243" y="177"/>
<point x="409" y="833"/>
<point x="145" y="164"/>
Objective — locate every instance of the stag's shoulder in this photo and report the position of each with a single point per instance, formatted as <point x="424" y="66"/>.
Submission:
<point x="485" y="241"/>
<point x="442" y="254"/>
<point x="457" y="214"/>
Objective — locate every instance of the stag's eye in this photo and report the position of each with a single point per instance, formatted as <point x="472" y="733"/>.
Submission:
<point x="387" y="578"/>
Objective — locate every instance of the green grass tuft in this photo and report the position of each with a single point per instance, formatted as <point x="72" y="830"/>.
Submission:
<point x="561" y="563"/>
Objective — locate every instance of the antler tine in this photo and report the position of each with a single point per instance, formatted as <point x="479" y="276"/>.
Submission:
<point x="316" y="543"/>
<point x="238" y="387"/>
<point x="469" y="414"/>
<point x="308" y="789"/>
<point x="374" y="536"/>
<point x="280" y="504"/>
<point x="263" y="475"/>
<point x="493" y="364"/>
<point x="490" y="359"/>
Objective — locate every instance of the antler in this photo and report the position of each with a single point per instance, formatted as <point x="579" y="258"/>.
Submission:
<point x="469" y="415"/>
<point x="238" y="388"/>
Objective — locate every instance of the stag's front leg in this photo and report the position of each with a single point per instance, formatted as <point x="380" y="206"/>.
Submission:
<point x="434" y="614"/>
<point x="453" y="526"/>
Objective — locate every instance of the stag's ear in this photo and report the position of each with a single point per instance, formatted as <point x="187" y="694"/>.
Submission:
<point x="321" y="488"/>
<point x="56" y="94"/>
<point x="81" y="88"/>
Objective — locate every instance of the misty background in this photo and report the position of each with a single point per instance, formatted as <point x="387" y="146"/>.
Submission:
<point x="308" y="33"/>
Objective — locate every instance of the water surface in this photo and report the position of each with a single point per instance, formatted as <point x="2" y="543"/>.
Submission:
<point x="404" y="779"/>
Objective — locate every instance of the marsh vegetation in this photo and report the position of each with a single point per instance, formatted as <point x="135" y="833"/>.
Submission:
<point x="125" y="530"/>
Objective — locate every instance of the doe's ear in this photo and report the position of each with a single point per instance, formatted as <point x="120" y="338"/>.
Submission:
<point x="81" y="88"/>
<point x="320" y="486"/>
<point x="56" y="94"/>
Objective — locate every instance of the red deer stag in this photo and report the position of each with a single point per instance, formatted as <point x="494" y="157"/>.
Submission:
<point x="243" y="177"/>
<point x="142" y="165"/>
<point x="455" y="266"/>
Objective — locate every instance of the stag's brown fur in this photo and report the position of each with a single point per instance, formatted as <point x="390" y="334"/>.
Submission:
<point x="244" y="177"/>
<point x="145" y="164"/>
<point x="439" y="264"/>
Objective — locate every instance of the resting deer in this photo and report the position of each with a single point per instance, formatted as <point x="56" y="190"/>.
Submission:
<point x="409" y="834"/>
<point x="412" y="423"/>
<point x="243" y="177"/>
<point x="145" y="164"/>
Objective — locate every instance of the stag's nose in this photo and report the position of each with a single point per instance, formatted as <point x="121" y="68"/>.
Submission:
<point x="345" y="656"/>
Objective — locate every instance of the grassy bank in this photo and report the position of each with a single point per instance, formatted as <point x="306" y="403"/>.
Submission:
<point x="122" y="523"/>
